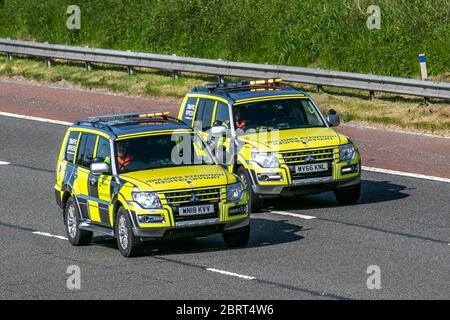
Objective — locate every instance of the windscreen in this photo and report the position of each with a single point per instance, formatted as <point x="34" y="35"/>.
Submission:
<point x="277" y="115"/>
<point x="160" y="151"/>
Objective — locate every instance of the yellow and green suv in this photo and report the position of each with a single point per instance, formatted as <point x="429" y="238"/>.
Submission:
<point x="145" y="176"/>
<point x="275" y="138"/>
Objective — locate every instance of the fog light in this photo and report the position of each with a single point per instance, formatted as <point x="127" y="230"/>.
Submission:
<point x="269" y="176"/>
<point x="350" y="169"/>
<point x="150" y="218"/>
<point x="238" y="210"/>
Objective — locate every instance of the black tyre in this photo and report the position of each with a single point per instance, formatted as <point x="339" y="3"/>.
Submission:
<point x="348" y="195"/>
<point x="129" y="245"/>
<point x="72" y="219"/>
<point x="237" y="238"/>
<point x="255" y="202"/>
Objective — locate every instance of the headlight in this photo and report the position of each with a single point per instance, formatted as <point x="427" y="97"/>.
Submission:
<point x="346" y="152"/>
<point x="235" y="192"/>
<point x="147" y="200"/>
<point x="266" y="159"/>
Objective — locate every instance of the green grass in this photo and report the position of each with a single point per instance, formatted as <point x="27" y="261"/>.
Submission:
<point x="386" y="110"/>
<point x="317" y="33"/>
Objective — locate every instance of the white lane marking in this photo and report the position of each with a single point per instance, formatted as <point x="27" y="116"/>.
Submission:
<point x="46" y="234"/>
<point x="4" y="162"/>
<point x="429" y="135"/>
<point x="406" y="174"/>
<point x="242" y="276"/>
<point x="21" y="116"/>
<point x="287" y="213"/>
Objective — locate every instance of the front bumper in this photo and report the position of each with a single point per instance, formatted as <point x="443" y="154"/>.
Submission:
<point x="340" y="175"/>
<point x="309" y="187"/>
<point x="195" y="228"/>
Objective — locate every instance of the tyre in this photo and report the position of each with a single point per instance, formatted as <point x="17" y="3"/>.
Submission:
<point x="72" y="219"/>
<point x="237" y="238"/>
<point x="348" y="195"/>
<point x="254" y="203"/>
<point x="129" y="245"/>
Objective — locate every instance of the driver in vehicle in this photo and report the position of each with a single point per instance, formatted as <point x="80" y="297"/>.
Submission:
<point x="123" y="157"/>
<point x="240" y="123"/>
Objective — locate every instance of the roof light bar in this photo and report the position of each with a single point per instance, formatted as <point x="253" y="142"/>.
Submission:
<point x="265" y="81"/>
<point x="243" y="83"/>
<point x="127" y="116"/>
<point x="154" y="114"/>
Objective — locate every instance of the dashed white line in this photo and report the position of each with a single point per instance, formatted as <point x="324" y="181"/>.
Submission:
<point x="287" y="213"/>
<point x="46" y="234"/>
<point x="406" y="174"/>
<point x="21" y="116"/>
<point x="242" y="276"/>
<point x="4" y="162"/>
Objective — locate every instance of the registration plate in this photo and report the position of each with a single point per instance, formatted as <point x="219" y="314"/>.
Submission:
<point x="194" y="210"/>
<point x="312" y="167"/>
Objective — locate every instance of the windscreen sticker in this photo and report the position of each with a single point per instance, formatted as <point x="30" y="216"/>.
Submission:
<point x="189" y="111"/>
<point x="186" y="178"/>
<point x="71" y="146"/>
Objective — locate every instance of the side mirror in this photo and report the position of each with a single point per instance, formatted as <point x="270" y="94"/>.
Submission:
<point x="333" y="118"/>
<point x="222" y="157"/>
<point x="98" y="168"/>
<point x="218" y="131"/>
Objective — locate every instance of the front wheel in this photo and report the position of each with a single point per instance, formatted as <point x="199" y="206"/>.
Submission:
<point x="129" y="245"/>
<point x="237" y="238"/>
<point x="348" y="195"/>
<point x="72" y="219"/>
<point x="255" y="202"/>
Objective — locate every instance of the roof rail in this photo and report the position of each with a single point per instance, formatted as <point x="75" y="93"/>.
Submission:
<point x="98" y="125"/>
<point x="107" y="121"/>
<point x="129" y="116"/>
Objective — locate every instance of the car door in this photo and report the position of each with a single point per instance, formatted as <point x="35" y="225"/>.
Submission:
<point x="65" y="165"/>
<point x="100" y="186"/>
<point x="81" y="173"/>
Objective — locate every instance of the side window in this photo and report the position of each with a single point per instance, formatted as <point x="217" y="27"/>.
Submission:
<point x="204" y="113"/>
<point x="222" y="113"/>
<point x="71" y="146"/>
<point x="89" y="151"/>
<point x="188" y="111"/>
<point x="86" y="148"/>
<point x="103" y="150"/>
<point x="81" y="147"/>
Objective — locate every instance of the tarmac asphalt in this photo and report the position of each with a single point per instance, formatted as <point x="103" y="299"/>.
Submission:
<point x="300" y="248"/>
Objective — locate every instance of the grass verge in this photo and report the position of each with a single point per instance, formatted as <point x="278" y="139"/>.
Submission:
<point x="386" y="110"/>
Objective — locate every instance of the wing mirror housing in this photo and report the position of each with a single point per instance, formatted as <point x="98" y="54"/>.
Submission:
<point x="98" y="168"/>
<point x="333" y="118"/>
<point x="218" y="131"/>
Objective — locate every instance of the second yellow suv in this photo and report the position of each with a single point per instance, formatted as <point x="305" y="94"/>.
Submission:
<point x="275" y="138"/>
<point x="145" y="176"/>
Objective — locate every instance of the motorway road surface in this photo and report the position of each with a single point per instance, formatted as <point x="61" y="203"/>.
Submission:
<point x="401" y="225"/>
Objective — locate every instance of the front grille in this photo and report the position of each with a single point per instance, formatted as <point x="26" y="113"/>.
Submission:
<point x="301" y="156"/>
<point x="196" y="197"/>
<point x="186" y="197"/>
